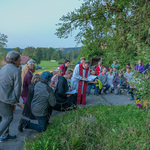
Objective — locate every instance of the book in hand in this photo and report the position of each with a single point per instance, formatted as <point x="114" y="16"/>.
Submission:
<point x="71" y="92"/>
<point x="90" y="78"/>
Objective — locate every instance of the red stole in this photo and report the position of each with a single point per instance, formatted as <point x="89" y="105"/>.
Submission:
<point x="80" y="86"/>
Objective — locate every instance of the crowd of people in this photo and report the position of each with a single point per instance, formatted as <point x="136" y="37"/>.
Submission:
<point x="61" y="90"/>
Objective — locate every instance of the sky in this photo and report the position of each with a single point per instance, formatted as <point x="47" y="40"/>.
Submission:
<point x="33" y="22"/>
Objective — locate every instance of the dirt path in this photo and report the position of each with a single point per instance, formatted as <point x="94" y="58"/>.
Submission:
<point x="92" y="100"/>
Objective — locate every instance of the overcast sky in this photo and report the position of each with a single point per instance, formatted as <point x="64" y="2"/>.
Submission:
<point x="33" y="22"/>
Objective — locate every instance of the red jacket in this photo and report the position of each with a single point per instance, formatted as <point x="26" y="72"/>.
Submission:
<point x="98" y="69"/>
<point x="64" y="68"/>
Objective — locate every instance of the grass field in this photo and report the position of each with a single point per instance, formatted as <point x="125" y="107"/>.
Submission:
<point x="114" y="127"/>
<point x="48" y="64"/>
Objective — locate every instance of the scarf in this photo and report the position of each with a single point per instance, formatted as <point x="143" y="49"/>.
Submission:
<point x="80" y="86"/>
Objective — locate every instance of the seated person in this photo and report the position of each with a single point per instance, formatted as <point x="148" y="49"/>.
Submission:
<point x="64" y="102"/>
<point x="115" y="65"/>
<point x="41" y="105"/>
<point x="115" y="72"/>
<point x="54" y="79"/>
<point x="104" y="80"/>
<point x="93" y="83"/>
<point x="129" y="76"/>
<point x="147" y="68"/>
<point x="139" y="67"/>
<point x="110" y="76"/>
<point x="119" y="83"/>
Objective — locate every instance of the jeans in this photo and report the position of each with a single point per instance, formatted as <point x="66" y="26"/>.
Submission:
<point x="89" y="87"/>
<point x="40" y="127"/>
<point x="7" y="117"/>
<point x="118" y="90"/>
<point x="106" y="87"/>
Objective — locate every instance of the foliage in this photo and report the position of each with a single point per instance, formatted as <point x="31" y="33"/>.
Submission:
<point x="3" y="41"/>
<point x="104" y="28"/>
<point x="17" y="49"/>
<point x="46" y="69"/>
<point x="115" y="127"/>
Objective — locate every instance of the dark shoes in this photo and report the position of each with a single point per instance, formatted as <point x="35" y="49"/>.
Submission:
<point x="0" y="118"/>
<point x="21" y="124"/>
<point x="105" y="92"/>
<point x="5" y="138"/>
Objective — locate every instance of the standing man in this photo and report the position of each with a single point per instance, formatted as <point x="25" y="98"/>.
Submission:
<point x="64" y="66"/>
<point x="81" y="61"/>
<point x="81" y="72"/>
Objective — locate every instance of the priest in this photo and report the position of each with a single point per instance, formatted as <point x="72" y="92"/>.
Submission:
<point x="79" y="81"/>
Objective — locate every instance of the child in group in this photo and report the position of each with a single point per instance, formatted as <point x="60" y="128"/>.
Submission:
<point x="104" y="80"/>
<point x="54" y="79"/>
<point x="110" y="76"/>
<point x="119" y="83"/>
<point x="93" y="83"/>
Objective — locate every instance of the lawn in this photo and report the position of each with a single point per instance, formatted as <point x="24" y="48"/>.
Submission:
<point x="113" y="127"/>
<point x="48" y="64"/>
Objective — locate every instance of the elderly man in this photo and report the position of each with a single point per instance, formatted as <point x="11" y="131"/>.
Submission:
<point x="79" y="83"/>
<point x="25" y="69"/>
<point x="64" y="102"/>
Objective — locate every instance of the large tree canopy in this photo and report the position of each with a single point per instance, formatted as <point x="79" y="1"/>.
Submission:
<point x="115" y="29"/>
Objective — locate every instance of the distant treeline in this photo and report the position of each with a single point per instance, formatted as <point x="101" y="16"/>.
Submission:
<point x="51" y="54"/>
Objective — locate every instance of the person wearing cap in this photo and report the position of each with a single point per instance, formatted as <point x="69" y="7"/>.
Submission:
<point x="25" y="69"/>
<point x="119" y="83"/>
<point x="81" y="61"/>
<point x="10" y="90"/>
<point x="41" y="105"/>
<point x="79" y="81"/>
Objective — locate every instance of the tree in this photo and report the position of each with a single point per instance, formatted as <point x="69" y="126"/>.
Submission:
<point x="105" y="26"/>
<point x="17" y="49"/>
<point x="38" y="55"/>
<point x="3" y="41"/>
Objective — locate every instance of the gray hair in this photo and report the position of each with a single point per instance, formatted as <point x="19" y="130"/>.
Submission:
<point x="36" y="78"/>
<point x="31" y="61"/>
<point x="86" y="62"/>
<point x="82" y="58"/>
<point x="68" y="71"/>
<point x="12" y="56"/>
<point x="58" y="70"/>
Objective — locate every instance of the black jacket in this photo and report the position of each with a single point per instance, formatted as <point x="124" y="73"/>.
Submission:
<point x="61" y="89"/>
<point x="27" y="108"/>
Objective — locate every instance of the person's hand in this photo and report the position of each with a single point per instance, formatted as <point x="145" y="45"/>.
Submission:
<point x="68" y="95"/>
<point x="118" y="85"/>
<point x="13" y="107"/>
<point x="95" y="82"/>
<point x="84" y="78"/>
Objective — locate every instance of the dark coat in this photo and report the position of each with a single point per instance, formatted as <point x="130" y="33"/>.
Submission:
<point x="147" y="67"/>
<point x="26" y="83"/>
<point x="61" y="89"/>
<point x="27" y="108"/>
<point x="116" y="82"/>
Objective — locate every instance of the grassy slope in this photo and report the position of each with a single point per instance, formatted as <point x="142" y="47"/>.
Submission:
<point x="117" y="127"/>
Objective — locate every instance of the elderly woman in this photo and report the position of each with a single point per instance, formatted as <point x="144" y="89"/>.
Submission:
<point x="10" y="90"/>
<point x="115" y="65"/>
<point x="139" y="67"/>
<point x="27" y="81"/>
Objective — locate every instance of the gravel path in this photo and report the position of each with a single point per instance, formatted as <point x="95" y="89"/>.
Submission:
<point x="92" y="100"/>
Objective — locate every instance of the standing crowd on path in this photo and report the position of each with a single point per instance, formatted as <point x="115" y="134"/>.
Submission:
<point x="63" y="90"/>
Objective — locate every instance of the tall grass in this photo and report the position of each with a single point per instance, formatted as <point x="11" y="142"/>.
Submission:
<point x="114" y="127"/>
<point x="48" y="64"/>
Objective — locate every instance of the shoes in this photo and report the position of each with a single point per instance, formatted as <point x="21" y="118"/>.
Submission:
<point x="132" y="98"/>
<point x="21" y="123"/>
<point x="99" y="92"/>
<point x="5" y="138"/>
